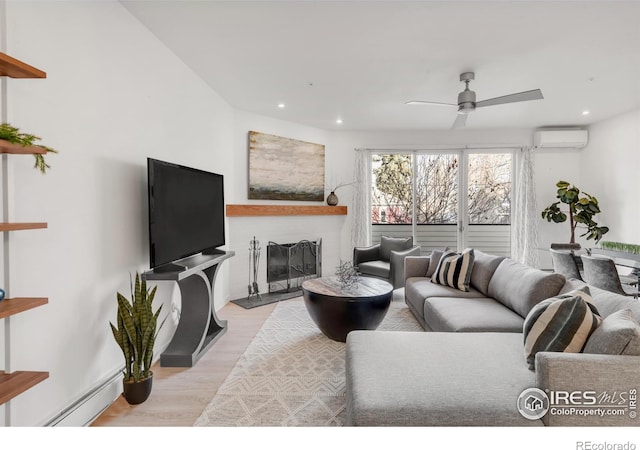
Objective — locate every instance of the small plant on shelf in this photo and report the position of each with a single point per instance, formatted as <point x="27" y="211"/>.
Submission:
<point x="12" y="134"/>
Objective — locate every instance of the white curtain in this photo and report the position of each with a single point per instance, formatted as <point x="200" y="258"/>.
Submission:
<point x="525" y="227"/>
<point x="361" y="224"/>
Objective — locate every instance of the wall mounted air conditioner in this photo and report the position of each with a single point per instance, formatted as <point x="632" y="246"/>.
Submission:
<point x="560" y="138"/>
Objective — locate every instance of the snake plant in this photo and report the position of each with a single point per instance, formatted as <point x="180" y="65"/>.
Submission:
<point x="136" y="331"/>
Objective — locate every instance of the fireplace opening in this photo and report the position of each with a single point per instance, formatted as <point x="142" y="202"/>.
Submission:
<point x="289" y="265"/>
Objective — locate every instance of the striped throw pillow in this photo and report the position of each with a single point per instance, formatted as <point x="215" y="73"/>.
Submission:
<point x="560" y="324"/>
<point x="454" y="270"/>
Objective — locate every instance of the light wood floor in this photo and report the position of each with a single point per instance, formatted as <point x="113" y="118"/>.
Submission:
<point x="180" y="395"/>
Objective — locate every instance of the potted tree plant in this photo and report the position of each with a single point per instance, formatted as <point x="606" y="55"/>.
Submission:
<point x="136" y="334"/>
<point x="581" y="207"/>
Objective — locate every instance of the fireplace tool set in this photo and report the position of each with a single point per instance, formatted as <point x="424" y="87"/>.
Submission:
<point x="254" y="262"/>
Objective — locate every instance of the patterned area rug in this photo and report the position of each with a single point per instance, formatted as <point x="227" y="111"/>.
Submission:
<point x="290" y="374"/>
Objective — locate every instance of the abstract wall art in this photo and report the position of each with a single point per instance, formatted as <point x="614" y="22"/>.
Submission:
<point x="281" y="168"/>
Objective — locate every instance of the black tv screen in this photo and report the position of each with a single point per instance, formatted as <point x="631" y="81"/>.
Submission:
<point x="186" y="211"/>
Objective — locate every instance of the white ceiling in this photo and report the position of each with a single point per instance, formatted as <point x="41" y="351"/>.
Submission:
<point x="362" y="60"/>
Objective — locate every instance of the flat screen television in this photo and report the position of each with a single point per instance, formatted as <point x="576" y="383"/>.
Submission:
<point x="186" y="211"/>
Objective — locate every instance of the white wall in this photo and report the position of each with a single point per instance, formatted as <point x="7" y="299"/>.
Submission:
<point x="277" y="229"/>
<point x="113" y="96"/>
<point x="610" y="171"/>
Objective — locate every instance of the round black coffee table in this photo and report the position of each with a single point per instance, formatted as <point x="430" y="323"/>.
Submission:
<point x="337" y="311"/>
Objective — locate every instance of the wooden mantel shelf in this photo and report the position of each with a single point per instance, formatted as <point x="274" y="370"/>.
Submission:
<point x="285" y="210"/>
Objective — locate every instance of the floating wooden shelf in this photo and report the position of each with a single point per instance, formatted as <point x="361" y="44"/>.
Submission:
<point x="15" y="383"/>
<point x="284" y="210"/>
<point x="16" y="226"/>
<point x="17" y="149"/>
<point x="14" y="68"/>
<point x="11" y="306"/>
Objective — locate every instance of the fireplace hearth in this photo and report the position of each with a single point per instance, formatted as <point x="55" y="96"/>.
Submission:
<point x="288" y="266"/>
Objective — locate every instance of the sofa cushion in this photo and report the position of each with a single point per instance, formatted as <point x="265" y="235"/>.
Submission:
<point x="435" y="257"/>
<point x="610" y="302"/>
<point x="571" y="284"/>
<point x="417" y="289"/>
<point x="619" y="334"/>
<point x="393" y="244"/>
<point x="454" y="270"/>
<point x="470" y="315"/>
<point x="403" y="378"/>
<point x="484" y="266"/>
<point x="560" y="324"/>
<point x="521" y="288"/>
<point x="375" y="268"/>
<point x="422" y="288"/>
<point x="607" y="302"/>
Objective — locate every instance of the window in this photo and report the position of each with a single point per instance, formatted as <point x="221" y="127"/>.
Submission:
<point x="455" y="199"/>
<point x="437" y="189"/>
<point x="391" y="193"/>
<point x="489" y="188"/>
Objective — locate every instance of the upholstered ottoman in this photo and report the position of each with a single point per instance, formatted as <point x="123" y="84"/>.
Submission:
<point x="435" y="379"/>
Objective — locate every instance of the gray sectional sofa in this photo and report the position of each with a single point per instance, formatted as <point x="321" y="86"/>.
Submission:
<point x="470" y="368"/>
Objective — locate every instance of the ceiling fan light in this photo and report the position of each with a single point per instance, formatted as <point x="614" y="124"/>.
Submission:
<point x="466" y="107"/>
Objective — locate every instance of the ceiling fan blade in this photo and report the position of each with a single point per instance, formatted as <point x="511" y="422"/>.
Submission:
<point x="420" y="102"/>
<point x="460" y="121"/>
<point x="535" y="94"/>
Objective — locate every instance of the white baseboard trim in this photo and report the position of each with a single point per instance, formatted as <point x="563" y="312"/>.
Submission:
<point x="88" y="407"/>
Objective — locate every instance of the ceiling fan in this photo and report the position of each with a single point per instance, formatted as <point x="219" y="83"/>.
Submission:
<point x="467" y="100"/>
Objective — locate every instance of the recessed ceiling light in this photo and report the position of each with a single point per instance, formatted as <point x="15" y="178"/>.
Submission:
<point x="585" y="112"/>
<point x="339" y="121"/>
<point x="281" y="105"/>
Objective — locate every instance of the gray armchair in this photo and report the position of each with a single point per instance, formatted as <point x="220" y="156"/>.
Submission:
<point x="385" y="260"/>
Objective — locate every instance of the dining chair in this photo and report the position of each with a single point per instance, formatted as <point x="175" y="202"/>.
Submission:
<point x="565" y="263"/>
<point x="602" y="273"/>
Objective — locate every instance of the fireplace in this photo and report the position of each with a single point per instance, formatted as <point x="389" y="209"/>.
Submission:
<point x="288" y="265"/>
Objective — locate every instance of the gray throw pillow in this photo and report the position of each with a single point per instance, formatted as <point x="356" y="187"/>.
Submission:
<point x="619" y="334"/>
<point x="393" y="244"/>
<point x="520" y="288"/>
<point x="560" y="324"/>
<point x="484" y="266"/>
<point x="434" y="260"/>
